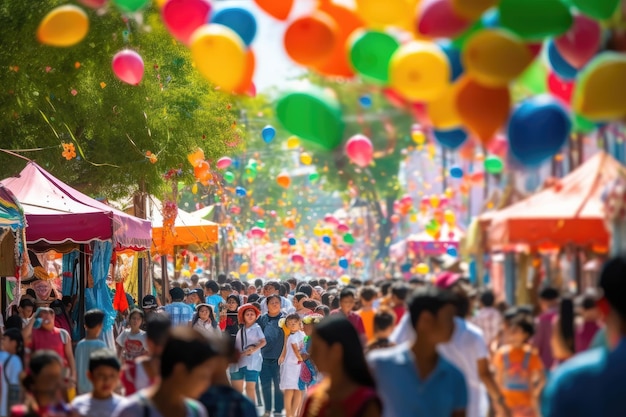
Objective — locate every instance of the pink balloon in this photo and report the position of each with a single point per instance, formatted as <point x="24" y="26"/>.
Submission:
<point x="498" y="146"/>
<point x="296" y="258"/>
<point x="581" y="42"/>
<point x="94" y="4"/>
<point x="329" y="218"/>
<point x="128" y="66"/>
<point x="437" y="19"/>
<point x="360" y="150"/>
<point x="343" y="228"/>
<point x="560" y="89"/>
<point x="257" y="232"/>
<point x="224" y="162"/>
<point x="406" y="200"/>
<point x="183" y="17"/>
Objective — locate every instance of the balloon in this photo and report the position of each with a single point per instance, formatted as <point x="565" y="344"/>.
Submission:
<point x="360" y="150"/>
<point x="394" y="218"/>
<point x="296" y="258"/>
<point x="326" y="239"/>
<point x="202" y="171"/>
<point x="314" y="177"/>
<point x="442" y="111"/>
<point x="451" y="251"/>
<point x="437" y="19"/>
<point x="422" y="269"/>
<point x="213" y="45"/>
<point x="128" y="66"/>
<point x="347" y="21"/>
<point x="538" y="128"/>
<point x="278" y="9"/>
<point x="131" y="5"/>
<point x="241" y="192"/>
<point x="196" y="157"/>
<point x="370" y="53"/>
<point x="418" y="137"/>
<point x="229" y="177"/>
<point x="257" y="232"/>
<point x="533" y="80"/>
<point x="560" y="89"/>
<point x="454" y="58"/>
<point x="348" y="238"/>
<point x="600" y="89"/>
<point x="472" y="9"/>
<point x="483" y="109"/>
<point x="493" y="164"/>
<point x="94" y="4"/>
<point x="380" y="14"/>
<point x="449" y="217"/>
<point x="260" y="223"/>
<point x="491" y="19"/>
<point x="283" y="180"/>
<point x="239" y="20"/>
<point x="194" y="189"/>
<point x="343" y="263"/>
<point x="451" y="139"/>
<point x="312" y="116"/>
<point x="365" y="101"/>
<point x="246" y="86"/>
<point x="456" y="172"/>
<point x="583" y="125"/>
<point x="183" y="17"/>
<point x="559" y="65"/>
<point x="268" y="133"/>
<point x="598" y="9"/>
<point x="63" y="26"/>
<point x="224" y="162"/>
<point x="306" y="158"/>
<point x="293" y="142"/>
<point x="535" y="20"/>
<point x="494" y="57"/>
<point x="309" y="40"/>
<point x="581" y="43"/>
<point x="292" y="241"/>
<point x="419" y="71"/>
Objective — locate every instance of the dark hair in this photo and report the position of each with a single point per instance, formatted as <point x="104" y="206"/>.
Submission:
<point x="237" y="285"/>
<point x="314" y="283"/>
<point x="327" y="298"/>
<point x="274" y="284"/>
<point x="613" y="284"/>
<point x="135" y="311"/>
<point x="16" y="335"/>
<point x="14" y="322"/>
<point x="26" y="302"/>
<point x="589" y="302"/>
<point x="271" y="297"/>
<point x="337" y="329"/>
<point x="194" y="278"/>
<point x="253" y="297"/>
<point x="307" y="289"/>
<point x="431" y="299"/>
<point x="234" y="297"/>
<point x="566" y="323"/>
<point x="368" y="293"/>
<point x="332" y="283"/>
<point x="257" y="305"/>
<point x="94" y="318"/>
<point x="258" y="282"/>
<point x="323" y="282"/>
<point x="324" y="310"/>
<point x="185" y="339"/>
<point x="549" y="294"/>
<point x="32" y="293"/>
<point x="334" y="303"/>
<point x="103" y="357"/>
<point x="196" y="315"/>
<point x="66" y="300"/>
<point x="384" y="318"/>
<point x="226" y="287"/>
<point x="221" y="278"/>
<point x="299" y="296"/>
<point x="310" y="304"/>
<point x="38" y="361"/>
<point x="283" y="289"/>
<point x="400" y="290"/>
<point x="292" y="316"/>
<point x="384" y="287"/>
<point x="487" y="298"/>
<point x="355" y="282"/>
<point x="213" y="286"/>
<point x="525" y="325"/>
<point x="292" y="280"/>
<point x="157" y="328"/>
<point x="345" y="293"/>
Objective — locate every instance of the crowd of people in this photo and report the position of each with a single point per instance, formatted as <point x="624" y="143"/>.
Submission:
<point x="320" y="348"/>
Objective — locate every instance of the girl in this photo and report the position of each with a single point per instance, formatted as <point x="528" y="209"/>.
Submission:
<point x="348" y="388"/>
<point x="43" y="385"/>
<point x="308" y="373"/>
<point x="249" y="341"/>
<point x="290" y="361"/>
<point x="204" y="321"/>
<point x="11" y="358"/>
<point x="231" y="318"/>
<point x="132" y="343"/>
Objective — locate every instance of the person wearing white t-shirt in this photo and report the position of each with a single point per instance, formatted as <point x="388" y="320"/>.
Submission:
<point x="249" y="341"/>
<point x="104" y="375"/>
<point x="290" y="364"/>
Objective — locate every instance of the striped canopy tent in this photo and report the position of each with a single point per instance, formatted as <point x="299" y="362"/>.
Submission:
<point x="12" y="239"/>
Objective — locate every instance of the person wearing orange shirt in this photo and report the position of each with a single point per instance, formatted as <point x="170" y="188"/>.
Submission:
<point x="367" y="311"/>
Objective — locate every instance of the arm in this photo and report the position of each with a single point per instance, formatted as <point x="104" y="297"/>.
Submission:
<point x="281" y="359"/>
<point x="71" y="363"/>
<point x="492" y="388"/>
<point x="295" y="349"/>
<point x="540" y="381"/>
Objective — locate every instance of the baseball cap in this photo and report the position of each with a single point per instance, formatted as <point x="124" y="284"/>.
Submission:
<point x="199" y="292"/>
<point x="149" y="301"/>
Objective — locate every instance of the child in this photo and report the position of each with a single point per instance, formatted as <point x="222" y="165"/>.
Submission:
<point x="519" y="370"/>
<point x="25" y="310"/>
<point x="230" y="318"/>
<point x="248" y="341"/>
<point x="147" y="367"/>
<point x="94" y="320"/>
<point x="11" y="358"/>
<point x="104" y="375"/>
<point x="308" y="373"/>
<point x="132" y="342"/>
<point x="399" y="292"/>
<point x="367" y="297"/>
<point x="290" y="365"/>
<point x="384" y="322"/>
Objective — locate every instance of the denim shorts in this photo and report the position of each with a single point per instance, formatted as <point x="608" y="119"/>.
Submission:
<point x="245" y="373"/>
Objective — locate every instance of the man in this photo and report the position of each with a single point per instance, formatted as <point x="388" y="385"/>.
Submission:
<point x="488" y="318"/>
<point x="549" y="303"/>
<point x="179" y="313"/>
<point x="195" y="297"/>
<point x="592" y="383"/>
<point x="273" y="287"/>
<point x="213" y="297"/>
<point x="347" y="300"/>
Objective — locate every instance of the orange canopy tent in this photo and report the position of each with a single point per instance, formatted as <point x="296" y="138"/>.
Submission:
<point x="568" y="212"/>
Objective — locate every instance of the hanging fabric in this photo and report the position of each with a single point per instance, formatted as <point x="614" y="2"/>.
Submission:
<point x="101" y="295"/>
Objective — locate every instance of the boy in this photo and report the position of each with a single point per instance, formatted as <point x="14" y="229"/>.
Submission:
<point x="367" y="295"/>
<point x="347" y="300"/>
<point x="399" y="292"/>
<point x="384" y="321"/>
<point x="413" y="379"/>
<point x="519" y="370"/>
<point x="94" y="320"/>
<point x="104" y="374"/>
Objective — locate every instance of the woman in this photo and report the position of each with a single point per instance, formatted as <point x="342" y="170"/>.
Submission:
<point x="249" y="341"/>
<point x="231" y="320"/>
<point x="348" y="388"/>
<point x="204" y="321"/>
<point x="275" y="341"/>
<point x="43" y="384"/>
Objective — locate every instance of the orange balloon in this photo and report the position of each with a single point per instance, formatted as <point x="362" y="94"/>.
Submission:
<point x="196" y="157"/>
<point x="289" y="223"/>
<point x="279" y="9"/>
<point x="337" y="64"/>
<point x="246" y="82"/>
<point x="309" y="40"/>
<point x="202" y="171"/>
<point x="482" y="109"/>
<point x="283" y="180"/>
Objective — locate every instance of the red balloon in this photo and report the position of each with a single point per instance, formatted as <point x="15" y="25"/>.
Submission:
<point x="561" y="89"/>
<point x="437" y="19"/>
<point x="360" y="150"/>
<point x="183" y="17"/>
<point x="581" y="42"/>
<point x="128" y="66"/>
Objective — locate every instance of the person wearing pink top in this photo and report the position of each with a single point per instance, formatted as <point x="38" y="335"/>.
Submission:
<point x="548" y="302"/>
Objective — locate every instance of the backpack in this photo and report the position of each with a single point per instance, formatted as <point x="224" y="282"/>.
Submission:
<point x="517" y="376"/>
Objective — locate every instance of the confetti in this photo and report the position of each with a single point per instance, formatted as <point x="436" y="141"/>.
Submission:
<point x="77" y="65"/>
<point x="103" y="84"/>
<point x="69" y="152"/>
<point x="74" y="92"/>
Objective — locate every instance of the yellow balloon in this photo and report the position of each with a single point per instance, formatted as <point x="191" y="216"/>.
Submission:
<point x="600" y="88"/>
<point x="419" y="71"/>
<point x="63" y="26"/>
<point x="194" y="189"/>
<point x="160" y="3"/>
<point x="442" y="111"/>
<point x="418" y="137"/>
<point x="422" y="269"/>
<point x="494" y="57"/>
<point x="345" y="279"/>
<point x="293" y="142"/>
<point x="220" y="55"/>
<point x="306" y="158"/>
<point x="244" y="268"/>
<point x="381" y="14"/>
<point x="472" y="9"/>
<point x="449" y="217"/>
<point x="318" y="231"/>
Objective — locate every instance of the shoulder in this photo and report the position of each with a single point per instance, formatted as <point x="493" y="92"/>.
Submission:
<point x="81" y="399"/>
<point x="196" y="408"/>
<point x="395" y="354"/>
<point x="583" y="366"/>
<point x="129" y="407"/>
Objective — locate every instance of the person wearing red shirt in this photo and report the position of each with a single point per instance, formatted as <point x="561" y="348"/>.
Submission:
<point x="347" y="300"/>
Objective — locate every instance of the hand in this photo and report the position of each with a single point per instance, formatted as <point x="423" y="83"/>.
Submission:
<point x="502" y="410"/>
<point x="281" y="360"/>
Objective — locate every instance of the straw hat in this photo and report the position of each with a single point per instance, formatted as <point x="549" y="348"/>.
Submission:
<point x="242" y="310"/>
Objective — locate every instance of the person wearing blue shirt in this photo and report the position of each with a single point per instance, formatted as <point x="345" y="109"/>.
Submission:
<point x="412" y="379"/>
<point x="213" y="297"/>
<point x="592" y="383"/>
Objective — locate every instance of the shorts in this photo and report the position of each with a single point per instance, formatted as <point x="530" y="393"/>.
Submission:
<point x="244" y="373"/>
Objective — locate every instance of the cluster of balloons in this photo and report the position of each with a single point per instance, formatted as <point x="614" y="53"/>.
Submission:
<point x="201" y="168"/>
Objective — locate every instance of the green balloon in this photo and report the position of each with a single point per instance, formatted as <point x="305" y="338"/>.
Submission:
<point x="314" y="176"/>
<point x="535" y="19"/>
<point x="313" y="116"/>
<point x="131" y="5"/>
<point x="462" y="39"/>
<point x="253" y="164"/>
<point x="261" y="223"/>
<point x="348" y="238"/>
<point x="598" y="9"/>
<point x="229" y="177"/>
<point x="535" y="79"/>
<point x="370" y="54"/>
<point x="583" y="125"/>
<point x="493" y="164"/>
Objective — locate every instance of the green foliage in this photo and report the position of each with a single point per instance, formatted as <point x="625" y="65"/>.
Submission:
<point x="50" y="96"/>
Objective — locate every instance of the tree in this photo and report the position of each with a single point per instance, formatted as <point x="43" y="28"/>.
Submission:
<point x="53" y="95"/>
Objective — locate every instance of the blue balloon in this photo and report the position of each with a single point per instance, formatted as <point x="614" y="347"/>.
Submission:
<point x="405" y="268"/>
<point x="456" y="172"/>
<point x="452" y="251"/>
<point x="292" y="241"/>
<point x="538" y="128"/>
<point x="326" y="239"/>
<point x="454" y="58"/>
<point x="491" y="19"/>
<point x="241" y="192"/>
<point x="452" y="139"/>
<point x="559" y="65"/>
<point x="365" y="101"/>
<point x="268" y="133"/>
<point x="239" y="20"/>
<point x="343" y="263"/>
<point x="236" y="163"/>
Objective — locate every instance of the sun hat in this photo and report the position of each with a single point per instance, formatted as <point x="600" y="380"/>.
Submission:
<point x="242" y="310"/>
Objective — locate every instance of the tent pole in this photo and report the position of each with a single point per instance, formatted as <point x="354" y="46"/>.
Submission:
<point x="82" y="277"/>
<point x="3" y="283"/>
<point x="165" y="283"/>
<point x="140" y="292"/>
